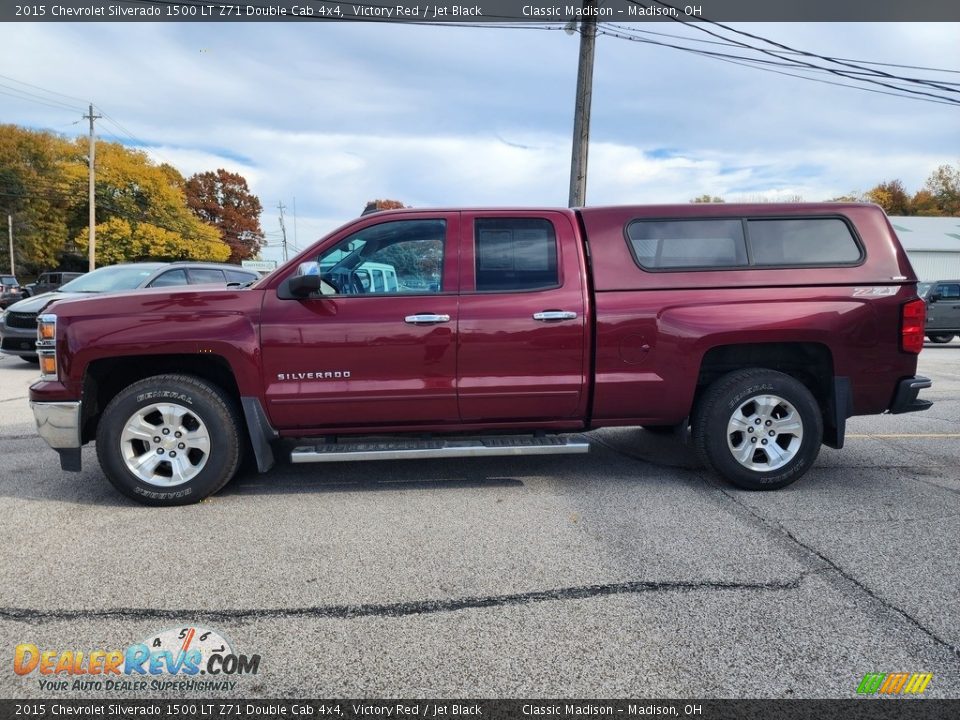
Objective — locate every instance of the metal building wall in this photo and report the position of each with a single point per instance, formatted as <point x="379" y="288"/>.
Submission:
<point x="931" y="266"/>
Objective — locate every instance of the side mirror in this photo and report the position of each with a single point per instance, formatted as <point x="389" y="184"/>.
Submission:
<point x="300" y="286"/>
<point x="934" y="297"/>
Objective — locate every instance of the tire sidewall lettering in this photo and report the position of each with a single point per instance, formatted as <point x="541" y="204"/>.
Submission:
<point x="164" y="395"/>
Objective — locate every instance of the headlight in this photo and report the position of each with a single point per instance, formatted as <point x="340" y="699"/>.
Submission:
<point x="46" y="329"/>
<point x="47" y="346"/>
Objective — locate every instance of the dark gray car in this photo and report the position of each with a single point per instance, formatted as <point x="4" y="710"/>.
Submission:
<point x="48" y="282"/>
<point x="10" y="290"/>
<point x="943" y="310"/>
<point x="18" y="323"/>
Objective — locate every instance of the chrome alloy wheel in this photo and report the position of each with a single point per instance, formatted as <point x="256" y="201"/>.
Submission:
<point x="164" y="444"/>
<point x="764" y="433"/>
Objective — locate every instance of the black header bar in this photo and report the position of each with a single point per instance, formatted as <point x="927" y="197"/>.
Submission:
<point x="481" y="11"/>
<point x="447" y="709"/>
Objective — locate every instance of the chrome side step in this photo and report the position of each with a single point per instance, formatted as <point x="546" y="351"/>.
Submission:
<point x="441" y="448"/>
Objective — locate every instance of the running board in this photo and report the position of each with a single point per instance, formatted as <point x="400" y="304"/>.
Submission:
<point x="442" y="448"/>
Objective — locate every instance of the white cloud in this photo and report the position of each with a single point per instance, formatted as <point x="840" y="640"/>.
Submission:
<point x="337" y="114"/>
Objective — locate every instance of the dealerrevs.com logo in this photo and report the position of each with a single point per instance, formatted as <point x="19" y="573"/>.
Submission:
<point x="187" y="658"/>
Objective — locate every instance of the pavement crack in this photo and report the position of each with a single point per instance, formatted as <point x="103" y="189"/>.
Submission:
<point x="777" y="527"/>
<point x="402" y="609"/>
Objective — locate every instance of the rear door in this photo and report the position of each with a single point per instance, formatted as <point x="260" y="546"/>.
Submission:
<point x="523" y="331"/>
<point x="379" y="349"/>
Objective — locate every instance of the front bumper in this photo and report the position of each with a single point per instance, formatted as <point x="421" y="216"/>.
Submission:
<point x="905" y="399"/>
<point x="18" y="341"/>
<point x="58" y="423"/>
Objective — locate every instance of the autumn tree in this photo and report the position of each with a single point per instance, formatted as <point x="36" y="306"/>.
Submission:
<point x="223" y="199"/>
<point x="923" y="203"/>
<point x="141" y="207"/>
<point x="378" y="205"/>
<point x="891" y="196"/>
<point x="143" y="210"/>
<point x="944" y="186"/>
<point x="121" y="241"/>
<point x="34" y="195"/>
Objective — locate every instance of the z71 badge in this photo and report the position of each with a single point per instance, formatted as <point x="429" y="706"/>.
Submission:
<point x="879" y="291"/>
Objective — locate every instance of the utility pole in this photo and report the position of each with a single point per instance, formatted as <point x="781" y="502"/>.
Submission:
<point x="93" y="208"/>
<point x="284" y="230"/>
<point x="10" y="233"/>
<point x="581" y="116"/>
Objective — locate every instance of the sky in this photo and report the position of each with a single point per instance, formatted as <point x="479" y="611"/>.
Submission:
<point x="324" y="117"/>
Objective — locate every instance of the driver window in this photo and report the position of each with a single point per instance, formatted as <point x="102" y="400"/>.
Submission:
<point x="401" y="257"/>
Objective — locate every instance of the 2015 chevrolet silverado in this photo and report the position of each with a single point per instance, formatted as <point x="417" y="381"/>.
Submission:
<point x="436" y="333"/>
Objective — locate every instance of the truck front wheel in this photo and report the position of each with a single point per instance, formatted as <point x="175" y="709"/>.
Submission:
<point x="759" y="429"/>
<point x="169" y="440"/>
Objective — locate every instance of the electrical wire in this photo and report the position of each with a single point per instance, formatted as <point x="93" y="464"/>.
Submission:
<point x="841" y="73"/>
<point x="759" y="64"/>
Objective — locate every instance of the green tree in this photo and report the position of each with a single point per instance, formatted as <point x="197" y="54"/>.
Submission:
<point x="707" y="198"/>
<point x="223" y="199"/>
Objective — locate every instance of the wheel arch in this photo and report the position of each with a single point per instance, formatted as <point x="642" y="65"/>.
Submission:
<point x="105" y="378"/>
<point x="811" y="363"/>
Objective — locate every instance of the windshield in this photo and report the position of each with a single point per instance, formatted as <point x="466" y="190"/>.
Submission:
<point x="8" y="280"/>
<point x="923" y="289"/>
<point x="108" y="279"/>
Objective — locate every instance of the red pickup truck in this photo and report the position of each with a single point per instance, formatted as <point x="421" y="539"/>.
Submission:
<point x="438" y="333"/>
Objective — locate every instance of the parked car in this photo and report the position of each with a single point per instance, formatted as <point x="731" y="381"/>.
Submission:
<point x="18" y="323"/>
<point x="943" y="310"/>
<point x="759" y="329"/>
<point x="10" y="290"/>
<point x="48" y="282"/>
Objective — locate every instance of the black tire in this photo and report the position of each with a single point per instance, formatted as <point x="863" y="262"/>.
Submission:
<point x="739" y="400"/>
<point x="940" y="339"/>
<point x="201" y="422"/>
<point x="32" y="359"/>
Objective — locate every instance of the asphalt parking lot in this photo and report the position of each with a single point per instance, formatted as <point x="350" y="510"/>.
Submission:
<point x="628" y="572"/>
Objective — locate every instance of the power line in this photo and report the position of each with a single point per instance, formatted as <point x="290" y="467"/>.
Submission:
<point x="841" y="73"/>
<point x="801" y="66"/>
<point x="37" y="87"/>
<point x="727" y="43"/>
<point x="57" y="106"/>
<point x="760" y="64"/>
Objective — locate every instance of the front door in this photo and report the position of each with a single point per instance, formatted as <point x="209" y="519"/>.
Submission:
<point x="523" y="331"/>
<point x="376" y="347"/>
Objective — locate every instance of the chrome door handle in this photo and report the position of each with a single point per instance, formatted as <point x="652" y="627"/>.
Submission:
<point x="548" y="315"/>
<point x="426" y="319"/>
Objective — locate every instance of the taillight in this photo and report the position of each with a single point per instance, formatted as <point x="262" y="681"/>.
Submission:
<point x="912" y="317"/>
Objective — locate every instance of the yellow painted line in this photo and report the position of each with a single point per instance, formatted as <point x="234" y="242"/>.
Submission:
<point x="904" y="435"/>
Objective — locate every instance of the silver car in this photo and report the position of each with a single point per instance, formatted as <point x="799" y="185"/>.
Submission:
<point x="18" y="323"/>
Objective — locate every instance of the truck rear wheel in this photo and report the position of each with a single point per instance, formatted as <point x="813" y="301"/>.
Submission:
<point x="941" y="338"/>
<point x="759" y="429"/>
<point x="169" y="440"/>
